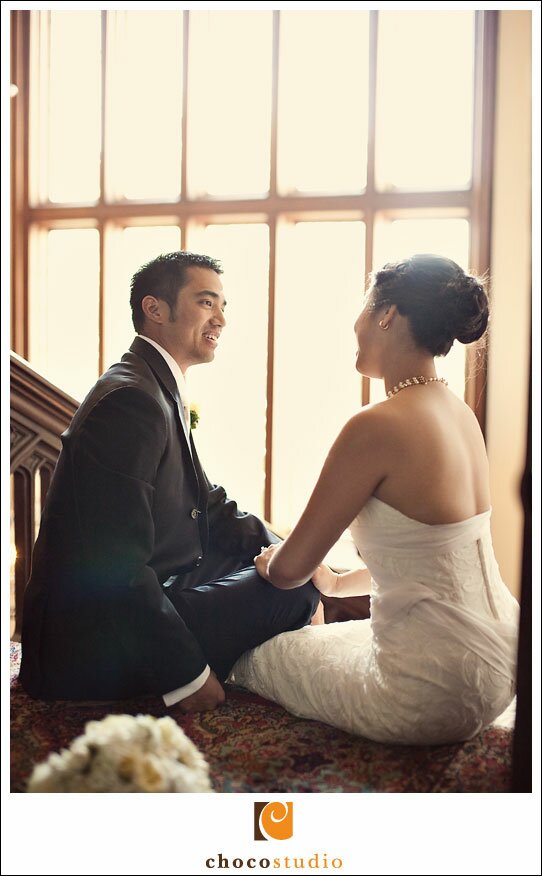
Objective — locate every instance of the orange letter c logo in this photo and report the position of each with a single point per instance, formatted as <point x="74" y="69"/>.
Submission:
<point x="273" y="821"/>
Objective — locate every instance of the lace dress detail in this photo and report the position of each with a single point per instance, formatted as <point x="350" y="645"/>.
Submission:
<point x="436" y="661"/>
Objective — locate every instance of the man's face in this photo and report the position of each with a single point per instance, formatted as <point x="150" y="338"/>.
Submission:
<point x="193" y="331"/>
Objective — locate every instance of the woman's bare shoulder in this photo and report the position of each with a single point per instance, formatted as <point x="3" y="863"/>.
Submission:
<point x="371" y="432"/>
<point x="373" y="419"/>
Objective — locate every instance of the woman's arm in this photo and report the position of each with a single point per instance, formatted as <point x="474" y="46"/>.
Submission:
<point x="356" y="464"/>
<point x="330" y="583"/>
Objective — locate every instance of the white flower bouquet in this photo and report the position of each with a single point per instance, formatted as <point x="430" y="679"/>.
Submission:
<point x="122" y="754"/>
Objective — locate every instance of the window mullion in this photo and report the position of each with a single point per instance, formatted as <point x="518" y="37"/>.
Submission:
<point x="274" y="105"/>
<point x="184" y="109"/>
<point x="482" y="174"/>
<point x="371" y="125"/>
<point x="268" y="486"/>
<point x="371" y="198"/>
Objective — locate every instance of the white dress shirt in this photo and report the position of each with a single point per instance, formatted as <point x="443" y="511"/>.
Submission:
<point x="180" y="693"/>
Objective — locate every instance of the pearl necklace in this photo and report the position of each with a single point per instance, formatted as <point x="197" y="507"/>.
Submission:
<point x="413" y="381"/>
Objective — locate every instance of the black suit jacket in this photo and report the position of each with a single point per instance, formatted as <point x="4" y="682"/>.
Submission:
<point x="129" y="507"/>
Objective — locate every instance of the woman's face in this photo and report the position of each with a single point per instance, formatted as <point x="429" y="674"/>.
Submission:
<point x="367" y="335"/>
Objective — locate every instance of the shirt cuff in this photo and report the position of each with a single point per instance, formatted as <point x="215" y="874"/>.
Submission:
<point x="181" y="693"/>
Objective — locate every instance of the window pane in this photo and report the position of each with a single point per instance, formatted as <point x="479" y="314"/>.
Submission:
<point x="68" y="113"/>
<point x="447" y="237"/>
<point x="424" y="99"/>
<point x="231" y="391"/>
<point x="127" y="249"/>
<point x="317" y="388"/>
<point x="229" y="115"/>
<point x="323" y="99"/>
<point x="145" y="63"/>
<point x="64" y="296"/>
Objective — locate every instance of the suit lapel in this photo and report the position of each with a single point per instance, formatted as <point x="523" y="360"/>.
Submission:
<point x="163" y="373"/>
<point x="204" y="489"/>
<point x="158" y="364"/>
<point x="165" y="377"/>
<point x="203" y="495"/>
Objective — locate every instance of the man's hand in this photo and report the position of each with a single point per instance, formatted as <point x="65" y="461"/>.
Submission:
<point x="206" y="698"/>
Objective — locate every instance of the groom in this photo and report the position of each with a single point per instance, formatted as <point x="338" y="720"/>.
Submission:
<point x="142" y="575"/>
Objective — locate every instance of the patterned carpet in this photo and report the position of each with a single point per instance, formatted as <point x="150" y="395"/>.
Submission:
<point x="255" y="746"/>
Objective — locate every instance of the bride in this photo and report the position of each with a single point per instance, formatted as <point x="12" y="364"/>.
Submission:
<point x="436" y="661"/>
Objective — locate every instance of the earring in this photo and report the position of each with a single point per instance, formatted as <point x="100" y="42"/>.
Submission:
<point x="384" y="325"/>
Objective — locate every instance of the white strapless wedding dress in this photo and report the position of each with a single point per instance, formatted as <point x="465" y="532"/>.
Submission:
<point x="435" y="663"/>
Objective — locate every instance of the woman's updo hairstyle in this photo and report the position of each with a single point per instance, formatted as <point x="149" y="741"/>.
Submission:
<point x="441" y="301"/>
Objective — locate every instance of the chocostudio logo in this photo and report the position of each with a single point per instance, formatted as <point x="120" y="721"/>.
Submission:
<point x="273" y="821"/>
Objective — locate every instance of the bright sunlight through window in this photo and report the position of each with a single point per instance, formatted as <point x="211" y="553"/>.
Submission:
<point x="303" y="149"/>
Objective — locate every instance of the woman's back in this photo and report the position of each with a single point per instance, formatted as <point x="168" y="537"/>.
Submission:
<point x="436" y="464"/>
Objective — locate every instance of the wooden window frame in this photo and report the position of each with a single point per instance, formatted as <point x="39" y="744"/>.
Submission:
<point x="473" y="203"/>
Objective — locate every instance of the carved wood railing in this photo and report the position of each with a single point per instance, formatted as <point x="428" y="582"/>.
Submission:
<point x="40" y="412"/>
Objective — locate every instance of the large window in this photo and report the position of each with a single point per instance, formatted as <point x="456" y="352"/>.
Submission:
<point x="303" y="149"/>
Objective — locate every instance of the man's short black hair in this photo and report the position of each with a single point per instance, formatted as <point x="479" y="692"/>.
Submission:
<point x="163" y="277"/>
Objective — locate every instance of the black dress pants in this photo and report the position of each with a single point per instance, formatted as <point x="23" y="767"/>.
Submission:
<point x="230" y="609"/>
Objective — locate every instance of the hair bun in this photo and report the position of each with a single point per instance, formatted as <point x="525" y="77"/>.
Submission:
<point x="442" y="302"/>
<point x="471" y="309"/>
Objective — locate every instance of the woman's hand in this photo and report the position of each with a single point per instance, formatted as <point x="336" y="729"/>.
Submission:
<point x="262" y="560"/>
<point x="325" y="580"/>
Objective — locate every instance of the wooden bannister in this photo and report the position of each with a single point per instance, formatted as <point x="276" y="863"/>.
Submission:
<point x="40" y="412"/>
